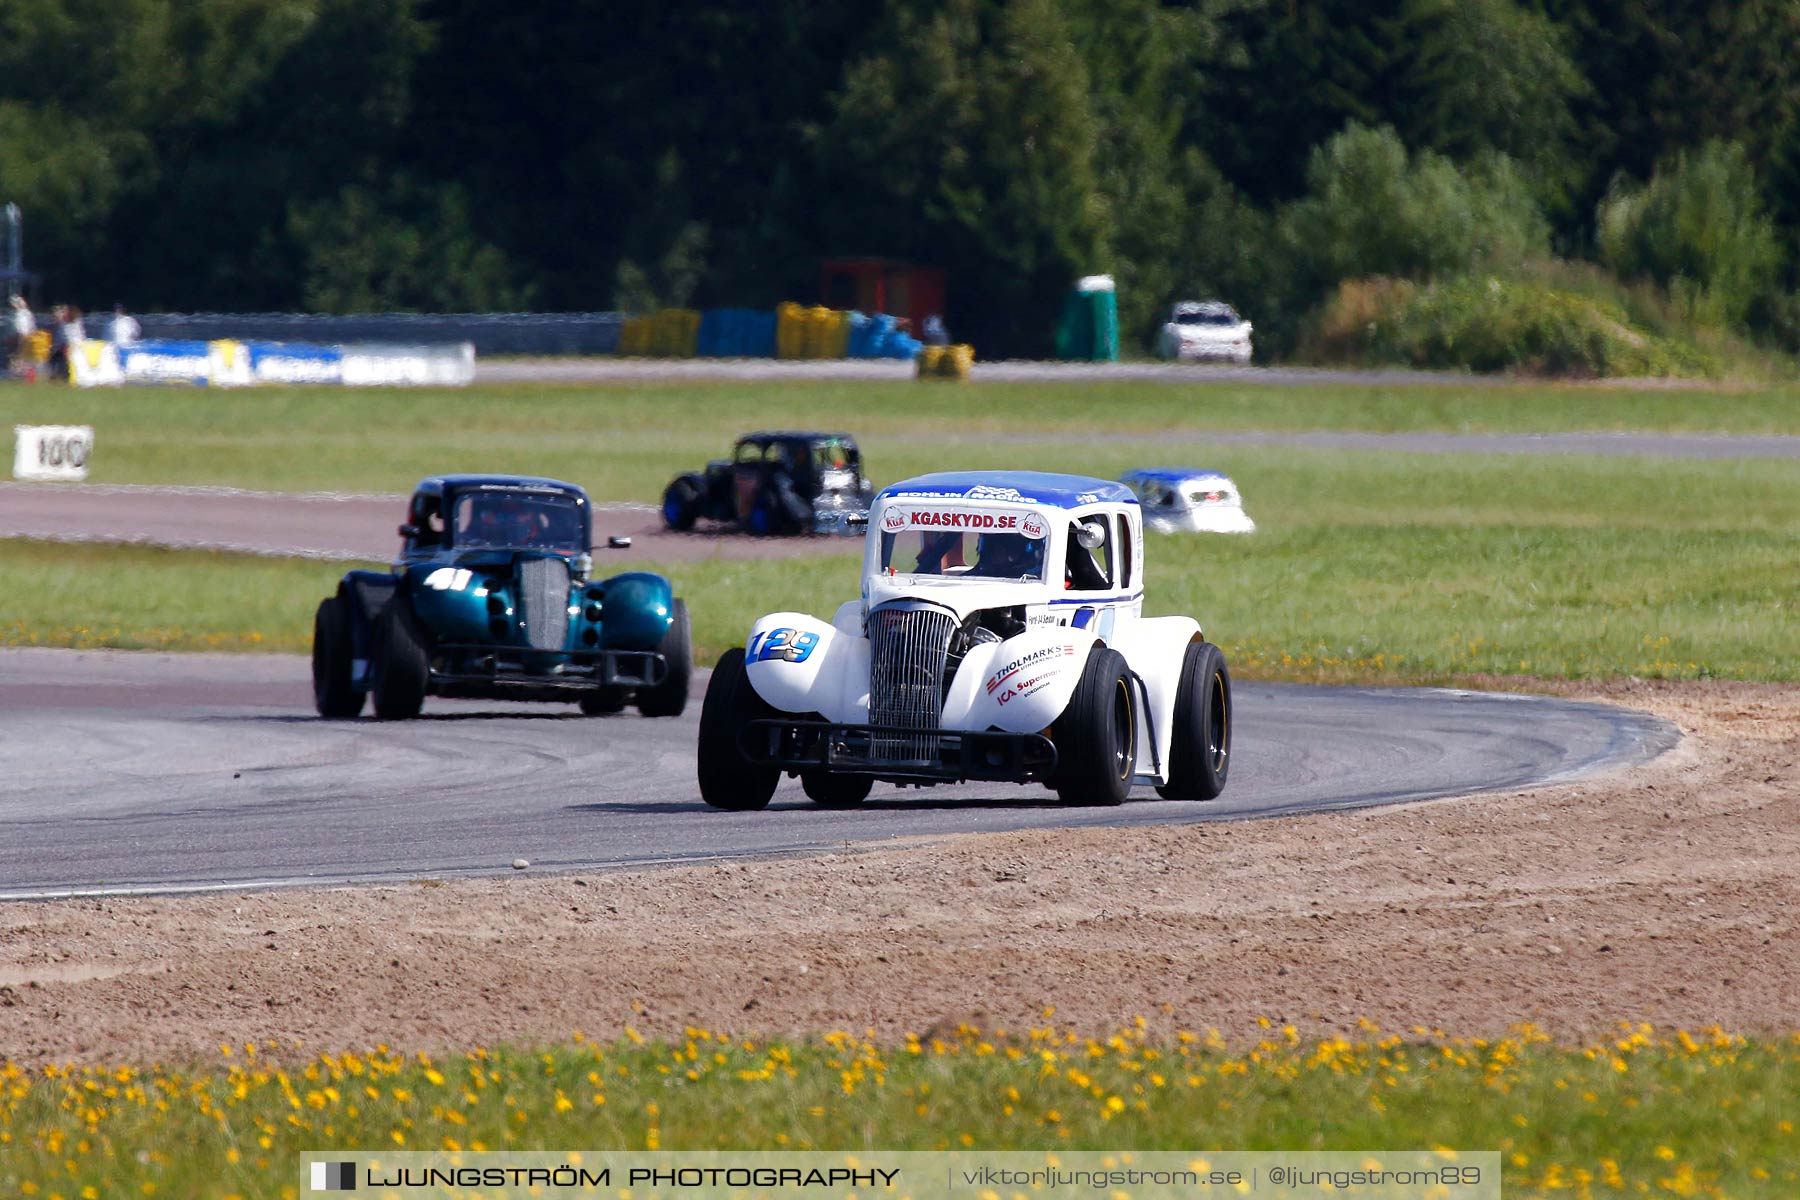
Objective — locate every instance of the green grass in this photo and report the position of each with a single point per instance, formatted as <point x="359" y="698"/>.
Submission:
<point x="1365" y="567"/>
<point x="625" y="442"/>
<point x="144" y="598"/>
<point x="1636" y="1114"/>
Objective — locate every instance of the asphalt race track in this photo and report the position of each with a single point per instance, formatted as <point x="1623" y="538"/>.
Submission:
<point x="128" y="772"/>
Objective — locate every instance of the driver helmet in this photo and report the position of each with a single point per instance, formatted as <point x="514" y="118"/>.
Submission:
<point x="1009" y="554"/>
<point x="514" y="519"/>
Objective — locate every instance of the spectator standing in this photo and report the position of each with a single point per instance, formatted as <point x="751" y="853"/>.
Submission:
<point x="23" y="326"/>
<point x="124" y="329"/>
<point x="58" y="365"/>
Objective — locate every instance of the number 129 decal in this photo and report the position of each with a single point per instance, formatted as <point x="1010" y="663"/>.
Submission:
<point x="785" y="645"/>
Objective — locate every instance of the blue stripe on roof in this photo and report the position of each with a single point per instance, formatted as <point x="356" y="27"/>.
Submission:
<point x="1025" y="487"/>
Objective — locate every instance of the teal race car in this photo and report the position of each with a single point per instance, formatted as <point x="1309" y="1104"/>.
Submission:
<point x="492" y="597"/>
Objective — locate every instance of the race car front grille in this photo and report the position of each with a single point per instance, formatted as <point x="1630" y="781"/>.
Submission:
<point x="908" y="648"/>
<point x="544" y="602"/>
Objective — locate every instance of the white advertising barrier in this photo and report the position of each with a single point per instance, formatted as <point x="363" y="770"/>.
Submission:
<point x="95" y="364"/>
<point x="52" y="451"/>
<point x="228" y="363"/>
<point x="452" y="365"/>
<point x="165" y="362"/>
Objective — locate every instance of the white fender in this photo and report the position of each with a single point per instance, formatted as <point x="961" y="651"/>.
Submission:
<point x="1020" y="685"/>
<point x="1155" y="648"/>
<point x="800" y="664"/>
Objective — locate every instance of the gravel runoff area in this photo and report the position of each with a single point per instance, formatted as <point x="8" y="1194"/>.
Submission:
<point x="1665" y="893"/>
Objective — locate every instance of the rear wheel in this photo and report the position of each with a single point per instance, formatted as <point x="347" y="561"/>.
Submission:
<point x="681" y="502"/>
<point x="402" y="664"/>
<point x="1200" y="757"/>
<point x="727" y="779"/>
<point x="1096" y="737"/>
<point x="670" y="697"/>
<point x="333" y="694"/>
<point x="836" y="791"/>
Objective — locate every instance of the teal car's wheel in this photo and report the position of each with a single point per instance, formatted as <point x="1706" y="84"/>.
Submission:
<point x="1096" y="737"/>
<point x="333" y="694"/>
<point x="670" y="697"/>
<point x="727" y="779"/>
<point x="402" y="663"/>
<point x="835" y="791"/>
<point x="1200" y="757"/>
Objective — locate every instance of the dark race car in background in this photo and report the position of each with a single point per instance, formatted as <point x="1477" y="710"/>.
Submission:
<point x="779" y="482"/>
<point x="492" y="597"/>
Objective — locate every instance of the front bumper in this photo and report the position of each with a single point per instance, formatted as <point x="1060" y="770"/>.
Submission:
<point x="474" y="666"/>
<point x="950" y="755"/>
<point x="1238" y="352"/>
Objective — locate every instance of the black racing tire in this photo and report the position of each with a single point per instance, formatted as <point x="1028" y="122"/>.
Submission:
<point x="1200" y="751"/>
<point x="835" y="791"/>
<point x="728" y="780"/>
<point x="669" y="698"/>
<point x="681" y="502"/>
<point x="1096" y="736"/>
<point x="333" y="693"/>
<point x="603" y="701"/>
<point x="402" y="663"/>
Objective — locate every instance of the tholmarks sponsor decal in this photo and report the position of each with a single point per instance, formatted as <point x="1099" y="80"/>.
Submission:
<point x="1024" y="662"/>
<point x="1028" y="524"/>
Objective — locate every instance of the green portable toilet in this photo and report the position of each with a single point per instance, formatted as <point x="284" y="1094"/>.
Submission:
<point x="1088" y="330"/>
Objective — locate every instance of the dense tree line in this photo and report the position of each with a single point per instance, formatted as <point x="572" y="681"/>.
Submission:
<point x="344" y="155"/>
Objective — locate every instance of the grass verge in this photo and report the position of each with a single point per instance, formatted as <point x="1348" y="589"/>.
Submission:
<point x="1640" y="1113"/>
<point x="624" y="442"/>
<point x="1365" y="568"/>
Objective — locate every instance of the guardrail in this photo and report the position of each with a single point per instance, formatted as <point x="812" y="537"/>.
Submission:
<point x="489" y="333"/>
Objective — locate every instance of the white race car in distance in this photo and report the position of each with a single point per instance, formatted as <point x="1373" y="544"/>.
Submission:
<point x="1000" y="636"/>
<point x="1182" y="500"/>
<point x="1202" y="329"/>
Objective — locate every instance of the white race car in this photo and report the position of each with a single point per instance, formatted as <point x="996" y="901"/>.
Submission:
<point x="1179" y="500"/>
<point x="1199" y="329"/>
<point x="1000" y="636"/>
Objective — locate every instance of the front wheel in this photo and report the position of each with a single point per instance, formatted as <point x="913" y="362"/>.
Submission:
<point x="333" y="693"/>
<point x="728" y="780"/>
<point x="402" y="664"/>
<point x="1096" y="737"/>
<point x="1200" y="757"/>
<point x="670" y="697"/>
<point x="835" y="791"/>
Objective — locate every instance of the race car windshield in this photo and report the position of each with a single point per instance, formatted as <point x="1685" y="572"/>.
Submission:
<point x="1213" y="318"/>
<point x="958" y="554"/>
<point x="507" y="520"/>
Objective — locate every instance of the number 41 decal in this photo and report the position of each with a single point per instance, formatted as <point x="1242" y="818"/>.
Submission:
<point x="786" y="645"/>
